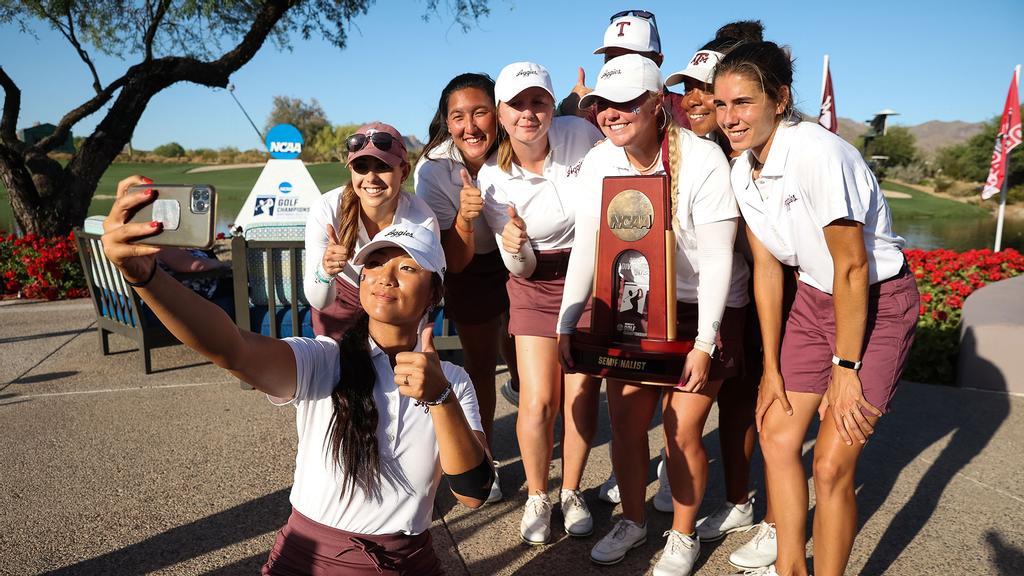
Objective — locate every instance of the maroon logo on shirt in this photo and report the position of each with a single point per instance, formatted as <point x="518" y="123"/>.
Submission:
<point x="622" y="25"/>
<point x="789" y="201"/>
<point x="574" y="170"/>
<point x="699" y="58"/>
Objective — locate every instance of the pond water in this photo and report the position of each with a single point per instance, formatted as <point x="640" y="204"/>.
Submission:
<point x="960" y="233"/>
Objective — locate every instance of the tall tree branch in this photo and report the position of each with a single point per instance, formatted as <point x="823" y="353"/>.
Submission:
<point x="68" y="31"/>
<point x="12" y="107"/>
<point x="154" y="25"/>
<point x="60" y="134"/>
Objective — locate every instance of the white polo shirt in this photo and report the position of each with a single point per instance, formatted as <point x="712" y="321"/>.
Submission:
<point x="410" y="465"/>
<point x="810" y="179"/>
<point x="546" y="202"/>
<point x="410" y="210"/>
<point x="438" y="182"/>
<point x="704" y="195"/>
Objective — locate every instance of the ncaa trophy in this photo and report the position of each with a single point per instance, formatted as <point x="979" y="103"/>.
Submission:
<point x="633" y="319"/>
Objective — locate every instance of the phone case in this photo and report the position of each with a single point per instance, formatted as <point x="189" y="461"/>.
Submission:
<point x="187" y="211"/>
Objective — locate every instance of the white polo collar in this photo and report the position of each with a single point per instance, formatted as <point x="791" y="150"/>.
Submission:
<point x="779" y="151"/>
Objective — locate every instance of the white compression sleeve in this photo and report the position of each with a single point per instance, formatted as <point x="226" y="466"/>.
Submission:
<point x="715" y="247"/>
<point x="579" y="278"/>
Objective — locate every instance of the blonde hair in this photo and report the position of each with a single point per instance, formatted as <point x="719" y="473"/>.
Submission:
<point x="348" y="218"/>
<point x="675" y="159"/>
<point x="505" y="152"/>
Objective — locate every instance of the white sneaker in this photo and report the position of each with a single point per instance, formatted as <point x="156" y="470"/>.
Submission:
<point x="760" y="552"/>
<point x="663" y="499"/>
<point x="535" y="528"/>
<point x="765" y="571"/>
<point x="495" y="494"/>
<point x="577" y="519"/>
<point x="625" y="536"/>
<point x="680" y="554"/>
<point x="725" y="519"/>
<point x="609" y="491"/>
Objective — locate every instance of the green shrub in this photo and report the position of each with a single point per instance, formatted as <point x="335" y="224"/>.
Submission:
<point x="170" y="150"/>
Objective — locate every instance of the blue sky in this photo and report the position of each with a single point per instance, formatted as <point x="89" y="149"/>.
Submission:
<point x="938" y="60"/>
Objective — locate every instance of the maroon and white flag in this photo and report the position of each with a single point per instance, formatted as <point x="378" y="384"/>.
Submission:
<point x="827" y="114"/>
<point x="1008" y="137"/>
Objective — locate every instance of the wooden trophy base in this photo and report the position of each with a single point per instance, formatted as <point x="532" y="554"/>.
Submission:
<point x="645" y="361"/>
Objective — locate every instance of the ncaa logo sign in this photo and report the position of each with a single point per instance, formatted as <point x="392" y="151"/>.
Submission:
<point x="284" y="142"/>
<point x="284" y="187"/>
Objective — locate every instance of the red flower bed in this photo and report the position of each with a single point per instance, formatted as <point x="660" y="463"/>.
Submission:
<point x="945" y="279"/>
<point x="37" y="267"/>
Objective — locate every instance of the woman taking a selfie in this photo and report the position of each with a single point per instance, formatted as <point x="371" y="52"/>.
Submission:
<point x="379" y="417"/>
<point x="810" y="201"/>
<point x="530" y="207"/>
<point x="710" y="291"/>
<point x="346" y="218"/>
<point x="463" y="134"/>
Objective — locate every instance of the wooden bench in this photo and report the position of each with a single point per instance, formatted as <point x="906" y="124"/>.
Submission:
<point x="119" y="310"/>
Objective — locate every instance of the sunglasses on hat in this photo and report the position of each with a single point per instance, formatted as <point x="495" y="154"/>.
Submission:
<point x="381" y="141"/>
<point x="638" y="13"/>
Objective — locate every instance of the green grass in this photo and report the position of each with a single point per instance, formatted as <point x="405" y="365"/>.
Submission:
<point x="922" y="205"/>
<point x="233" y="186"/>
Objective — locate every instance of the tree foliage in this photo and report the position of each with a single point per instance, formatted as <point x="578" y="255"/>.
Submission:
<point x="198" y="41"/>
<point x="170" y="150"/>
<point x="971" y="160"/>
<point x="898" y="144"/>
<point x="309" y="118"/>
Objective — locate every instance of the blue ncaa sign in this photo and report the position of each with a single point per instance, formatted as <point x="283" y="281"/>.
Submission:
<point x="284" y="187"/>
<point x="284" y="142"/>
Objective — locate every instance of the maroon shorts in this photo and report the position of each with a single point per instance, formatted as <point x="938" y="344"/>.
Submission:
<point x="728" y="359"/>
<point x="304" y="546"/>
<point x="534" y="302"/>
<point x="338" y="316"/>
<point x="477" y="294"/>
<point x="810" y="337"/>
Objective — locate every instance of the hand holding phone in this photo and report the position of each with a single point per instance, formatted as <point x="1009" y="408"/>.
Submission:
<point x="187" y="212"/>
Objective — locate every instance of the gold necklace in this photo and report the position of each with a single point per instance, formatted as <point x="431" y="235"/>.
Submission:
<point x="645" y="169"/>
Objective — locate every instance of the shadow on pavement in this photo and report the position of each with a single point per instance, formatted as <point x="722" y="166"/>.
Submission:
<point x="245" y="521"/>
<point x="915" y="424"/>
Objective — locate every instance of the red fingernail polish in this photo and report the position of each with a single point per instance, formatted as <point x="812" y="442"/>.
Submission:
<point x="148" y="191"/>
<point x="154" y="224"/>
<point x="146" y="180"/>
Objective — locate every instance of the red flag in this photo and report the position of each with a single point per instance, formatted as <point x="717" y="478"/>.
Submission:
<point x="827" y="115"/>
<point x="1008" y="137"/>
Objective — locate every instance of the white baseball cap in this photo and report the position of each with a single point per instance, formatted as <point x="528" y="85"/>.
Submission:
<point x="700" y="68"/>
<point x="519" y="76"/>
<point x="417" y="240"/>
<point x="632" y="33"/>
<point x="624" y="78"/>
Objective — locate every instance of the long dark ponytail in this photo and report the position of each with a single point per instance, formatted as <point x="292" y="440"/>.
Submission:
<point x="352" y="432"/>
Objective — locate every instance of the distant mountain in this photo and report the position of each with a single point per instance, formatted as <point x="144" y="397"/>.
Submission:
<point x="930" y="136"/>
<point x="412" y="143"/>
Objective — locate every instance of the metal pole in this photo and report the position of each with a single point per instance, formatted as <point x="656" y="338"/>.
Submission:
<point x="231" y="91"/>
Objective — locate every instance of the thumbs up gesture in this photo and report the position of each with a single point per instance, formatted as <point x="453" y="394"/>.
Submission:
<point x="471" y="203"/>
<point x="335" y="255"/>
<point x="513" y="236"/>
<point x="418" y="374"/>
<point x="581" y="89"/>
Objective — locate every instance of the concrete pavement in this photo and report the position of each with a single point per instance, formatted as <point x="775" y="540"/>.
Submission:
<point x="106" y="471"/>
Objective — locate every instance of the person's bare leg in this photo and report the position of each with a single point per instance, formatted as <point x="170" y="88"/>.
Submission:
<point x="540" y="379"/>
<point x="579" y="413"/>
<point x="480" y="350"/>
<point x="782" y="438"/>
<point x="683" y="417"/>
<point x="631" y="408"/>
<point x="835" y="510"/>
<point x="737" y="434"/>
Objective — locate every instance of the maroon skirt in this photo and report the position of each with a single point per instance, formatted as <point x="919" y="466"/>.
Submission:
<point x="306" y="547"/>
<point x="728" y="359"/>
<point x="534" y="302"/>
<point x="477" y="295"/>
<point x="338" y="316"/>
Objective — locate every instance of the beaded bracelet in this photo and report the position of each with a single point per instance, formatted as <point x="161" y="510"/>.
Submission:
<point x="440" y="399"/>
<point x="321" y="274"/>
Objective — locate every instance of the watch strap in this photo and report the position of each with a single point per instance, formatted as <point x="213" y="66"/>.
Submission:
<point x="851" y="364"/>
